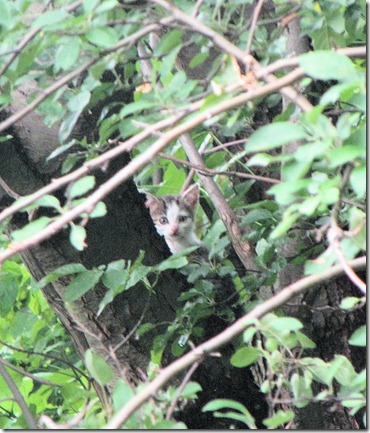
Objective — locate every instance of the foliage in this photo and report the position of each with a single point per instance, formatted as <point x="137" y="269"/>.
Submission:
<point x="92" y="46"/>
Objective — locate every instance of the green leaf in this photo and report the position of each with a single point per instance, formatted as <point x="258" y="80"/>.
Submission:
<point x="222" y="403"/>
<point x="134" y="107"/>
<point x="249" y="333"/>
<point x="191" y="390"/>
<point x="77" y="237"/>
<point x="173" y="262"/>
<point x="358" y="180"/>
<point x="30" y="229"/>
<point x="8" y="293"/>
<point x="90" y="5"/>
<point x="284" y="225"/>
<point x="67" y="53"/>
<point x="257" y="215"/>
<point x="343" y="370"/>
<point x="301" y="391"/>
<point x="168" y="424"/>
<point x="344" y="154"/>
<point x="349" y="302"/>
<point x="81" y="186"/>
<point x="358" y="338"/>
<point x="327" y="65"/>
<point x="75" y="104"/>
<point x="341" y="91"/>
<point x="321" y="370"/>
<point x="102" y="36"/>
<point x="45" y="201"/>
<point x="115" y="275"/>
<point x="48" y="201"/>
<point x="100" y="210"/>
<point x="321" y="263"/>
<point x="122" y="394"/>
<point x="169" y="41"/>
<point x="5" y="14"/>
<point x="71" y="268"/>
<point x="98" y="368"/>
<point x="281" y="417"/>
<point x="291" y="171"/>
<point x="245" y="356"/>
<point x="275" y="135"/>
<point x="61" y="149"/>
<point x="244" y="415"/>
<point x="107" y="5"/>
<point x="82" y="283"/>
<point x="304" y="341"/>
<point x="50" y="18"/>
<point x="285" y="323"/>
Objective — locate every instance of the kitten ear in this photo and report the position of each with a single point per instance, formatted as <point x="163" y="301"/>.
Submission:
<point x="191" y="195"/>
<point x="151" y="200"/>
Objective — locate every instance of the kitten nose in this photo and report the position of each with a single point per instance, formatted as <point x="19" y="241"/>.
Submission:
<point x="174" y="229"/>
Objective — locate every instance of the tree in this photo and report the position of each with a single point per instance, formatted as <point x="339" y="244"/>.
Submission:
<point x="261" y="103"/>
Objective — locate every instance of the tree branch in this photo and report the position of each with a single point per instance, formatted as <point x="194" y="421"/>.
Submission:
<point x="227" y="215"/>
<point x="224" y="337"/>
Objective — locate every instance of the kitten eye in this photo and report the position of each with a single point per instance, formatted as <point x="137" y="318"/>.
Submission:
<point x="163" y="220"/>
<point x="183" y="218"/>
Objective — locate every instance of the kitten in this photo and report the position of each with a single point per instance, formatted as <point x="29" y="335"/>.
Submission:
<point x="174" y="218"/>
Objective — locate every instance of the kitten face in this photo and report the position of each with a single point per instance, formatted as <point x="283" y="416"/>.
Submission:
<point x="173" y="217"/>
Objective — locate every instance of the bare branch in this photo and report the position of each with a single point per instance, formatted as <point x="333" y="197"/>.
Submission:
<point x="227" y="215"/>
<point x="224" y="337"/>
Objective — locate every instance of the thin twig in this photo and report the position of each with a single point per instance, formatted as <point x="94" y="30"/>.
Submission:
<point x="208" y="171"/>
<point x="224" y="337"/>
<point x="180" y="389"/>
<point x="223" y="146"/>
<point x="7" y="189"/>
<point x="18" y="397"/>
<point x="25" y="373"/>
<point x="335" y="235"/>
<point x="133" y="330"/>
<point x="196" y="8"/>
<point x="256" y="13"/>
